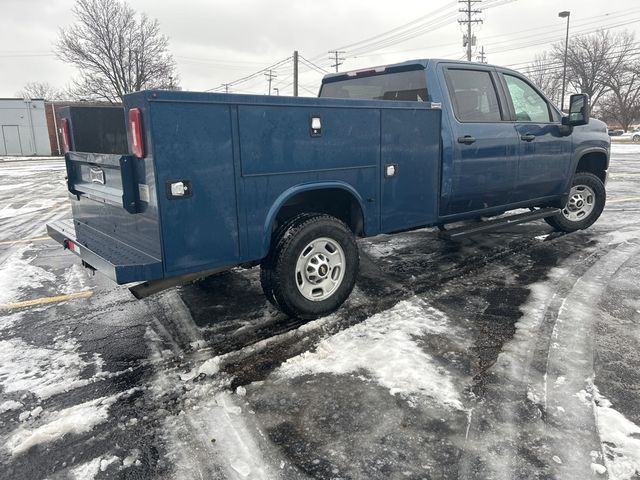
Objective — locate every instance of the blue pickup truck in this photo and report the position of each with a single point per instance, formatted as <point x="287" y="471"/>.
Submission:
<point x="213" y="181"/>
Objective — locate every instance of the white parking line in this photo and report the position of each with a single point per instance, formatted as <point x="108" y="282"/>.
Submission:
<point x="623" y="200"/>
<point x="24" y="240"/>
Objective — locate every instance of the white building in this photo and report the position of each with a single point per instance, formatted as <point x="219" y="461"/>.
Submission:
<point x="23" y="127"/>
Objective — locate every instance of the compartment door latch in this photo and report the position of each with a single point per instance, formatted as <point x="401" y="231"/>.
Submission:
<point x="179" y="189"/>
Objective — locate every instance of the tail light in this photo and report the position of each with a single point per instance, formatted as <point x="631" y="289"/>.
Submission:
<point x="66" y="134"/>
<point x="135" y="131"/>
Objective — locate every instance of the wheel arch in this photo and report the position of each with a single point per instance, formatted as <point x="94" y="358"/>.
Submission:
<point x="335" y="198"/>
<point x="595" y="161"/>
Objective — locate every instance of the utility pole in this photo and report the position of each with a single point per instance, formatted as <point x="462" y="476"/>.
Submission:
<point x="566" y="15"/>
<point x="226" y="87"/>
<point x="468" y="40"/>
<point x="337" y="58"/>
<point x="295" y="73"/>
<point x="482" y="57"/>
<point x="270" y="76"/>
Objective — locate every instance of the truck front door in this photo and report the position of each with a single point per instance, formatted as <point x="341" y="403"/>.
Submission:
<point x="480" y="172"/>
<point x="544" y="152"/>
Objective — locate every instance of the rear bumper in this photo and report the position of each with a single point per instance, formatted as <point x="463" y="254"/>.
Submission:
<point x="111" y="257"/>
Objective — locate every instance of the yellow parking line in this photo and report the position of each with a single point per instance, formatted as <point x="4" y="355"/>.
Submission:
<point x="25" y="240"/>
<point x="45" y="300"/>
<point x="622" y="200"/>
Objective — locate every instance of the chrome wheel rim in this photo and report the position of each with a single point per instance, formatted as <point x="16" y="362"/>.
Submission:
<point x="320" y="269"/>
<point x="582" y="200"/>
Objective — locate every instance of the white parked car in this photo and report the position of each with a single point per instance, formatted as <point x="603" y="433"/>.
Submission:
<point x="634" y="136"/>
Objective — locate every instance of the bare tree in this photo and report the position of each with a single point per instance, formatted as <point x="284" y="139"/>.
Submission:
<point x="544" y="73"/>
<point x="116" y="51"/>
<point x="622" y="104"/>
<point x="590" y="59"/>
<point x="42" y="90"/>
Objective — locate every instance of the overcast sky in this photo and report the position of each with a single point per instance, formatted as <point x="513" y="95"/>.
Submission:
<point x="216" y="41"/>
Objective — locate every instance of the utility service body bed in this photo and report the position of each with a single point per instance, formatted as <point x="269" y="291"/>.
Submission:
<point x="218" y="168"/>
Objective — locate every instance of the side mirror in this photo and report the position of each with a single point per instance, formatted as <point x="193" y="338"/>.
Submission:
<point x="578" y="110"/>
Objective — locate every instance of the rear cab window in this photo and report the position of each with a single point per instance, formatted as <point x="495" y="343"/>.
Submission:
<point x="400" y="86"/>
<point x="473" y="95"/>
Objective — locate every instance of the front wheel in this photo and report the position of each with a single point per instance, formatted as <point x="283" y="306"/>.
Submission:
<point x="312" y="266"/>
<point x="584" y="206"/>
<point x="636" y="138"/>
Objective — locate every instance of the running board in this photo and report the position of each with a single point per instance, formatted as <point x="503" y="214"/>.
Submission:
<point x="489" y="225"/>
<point x="146" y="289"/>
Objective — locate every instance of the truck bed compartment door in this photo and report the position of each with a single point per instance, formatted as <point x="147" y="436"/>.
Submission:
<point x="194" y="156"/>
<point x="410" y="157"/>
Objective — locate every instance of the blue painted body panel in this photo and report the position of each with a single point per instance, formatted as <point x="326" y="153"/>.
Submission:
<point x="410" y="141"/>
<point x="245" y="156"/>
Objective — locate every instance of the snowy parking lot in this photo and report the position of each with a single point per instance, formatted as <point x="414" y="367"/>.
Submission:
<point x="506" y="355"/>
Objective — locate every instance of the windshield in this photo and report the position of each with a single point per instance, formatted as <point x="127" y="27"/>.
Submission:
<point x="406" y="86"/>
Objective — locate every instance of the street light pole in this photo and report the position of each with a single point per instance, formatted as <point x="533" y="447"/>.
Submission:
<point x="566" y="15"/>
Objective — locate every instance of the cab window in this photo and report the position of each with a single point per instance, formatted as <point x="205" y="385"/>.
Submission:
<point x="474" y="96"/>
<point x="528" y="104"/>
<point x="403" y="86"/>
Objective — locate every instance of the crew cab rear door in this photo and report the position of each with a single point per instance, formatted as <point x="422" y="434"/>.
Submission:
<point x="480" y="173"/>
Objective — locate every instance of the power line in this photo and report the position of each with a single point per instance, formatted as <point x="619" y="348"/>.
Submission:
<point x="435" y="22"/>
<point x="313" y="66"/>
<point x="396" y="29"/>
<point x="505" y="36"/>
<point x="252" y="75"/>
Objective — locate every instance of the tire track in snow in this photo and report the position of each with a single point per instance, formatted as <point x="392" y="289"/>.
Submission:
<point x="530" y="424"/>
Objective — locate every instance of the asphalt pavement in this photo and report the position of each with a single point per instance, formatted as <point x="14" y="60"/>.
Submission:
<point x="506" y="355"/>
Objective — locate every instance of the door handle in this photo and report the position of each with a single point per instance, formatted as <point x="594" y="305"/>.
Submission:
<point x="528" y="137"/>
<point x="467" y="140"/>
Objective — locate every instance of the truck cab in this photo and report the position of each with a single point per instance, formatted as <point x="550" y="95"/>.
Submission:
<point x="504" y="143"/>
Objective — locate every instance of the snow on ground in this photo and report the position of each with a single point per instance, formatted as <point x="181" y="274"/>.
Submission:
<point x="620" y="437"/>
<point x="625" y="235"/>
<point x="89" y="470"/>
<point x="218" y="427"/>
<point x="18" y="274"/>
<point x="210" y="436"/>
<point x="74" y="279"/>
<point x="8" y="320"/>
<point x="52" y="426"/>
<point x="388" y="244"/>
<point x="11" y="158"/>
<point x="385" y="348"/>
<point x="43" y="371"/>
<point x="14" y="186"/>
<point x="9" y="405"/>
<point x="15" y="210"/>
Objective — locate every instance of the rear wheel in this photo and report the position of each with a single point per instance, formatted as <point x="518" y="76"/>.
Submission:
<point x="636" y="138"/>
<point x="584" y="205"/>
<point x="312" y="267"/>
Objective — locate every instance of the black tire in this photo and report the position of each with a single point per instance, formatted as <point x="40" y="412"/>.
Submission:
<point x="278" y="270"/>
<point x="636" y="138"/>
<point x="268" y="263"/>
<point x="581" y="179"/>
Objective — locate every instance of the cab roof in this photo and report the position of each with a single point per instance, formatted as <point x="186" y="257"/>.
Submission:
<point x="418" y="64"/>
